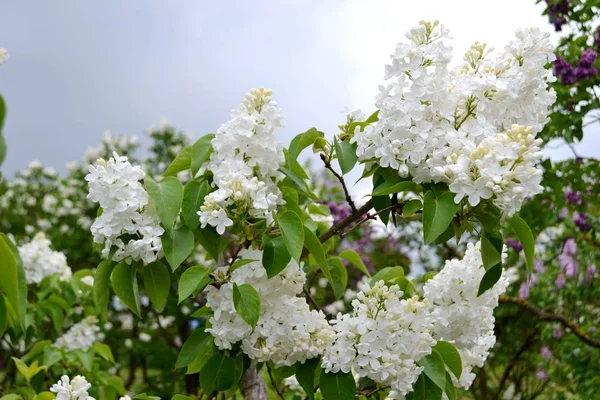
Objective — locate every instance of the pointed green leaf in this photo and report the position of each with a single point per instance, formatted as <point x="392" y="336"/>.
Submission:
<point x="201" y="151"/>
<point x="9" y="277"/>
<point x="451" y="357"/>
<point x="346" y="154"/>
<point x="217" y="374"/>
<point x="178" y="245"/>
<point x="525" y="237"/>
<point x="157" y="283"/>
<point x="434" y="368"/>
<point x="450" y="389"/>
<point x="275" y="255"/>
<point x="305" y="374"/>
<point x="300" y="142"/>
<point x="389" y="275"/>
<point x="352" y="257"/>
<point x="395" y="186"/>
<point x="182" y="161"/>
<point x="292" y="231"/>
<point x="3" y="316"/>
<point x="212" y="242"/>
<point x="339" y="276"/>
<point x="426" y="389"/>
<point x="438" y="213"/>
<point x="246" y="301"/>
<point x="104" y="351"/>
<point x="411" y="207"/>
<point x="125" y="285"/>
<point x="490" y="278"/>
<point x="337" y="386"/>
<point x="192" y="347"/>
<point x="101" y="288"/>
<point x="314" y="246"/>
<point x="167" y="195"/>
<point x="491" y="248"/>
<point x="193" y="197"/>
<point x="193" y="280"/>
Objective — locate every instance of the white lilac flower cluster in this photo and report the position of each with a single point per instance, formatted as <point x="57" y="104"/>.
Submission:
<point x="80" y="336"/>
<point x="72" y="389"/>
<point x="385" y="336"/>
<point x="472" y="126"/>
<point x="382" y="338"/>
<point x="40" y="261"/>
<point x="126" y="210"/>
<point x="461" y="317"/>
<point x="287" y="330"/>
<point x="244" y="163"/>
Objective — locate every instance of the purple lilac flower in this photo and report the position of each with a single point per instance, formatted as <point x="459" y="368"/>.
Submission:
<point x="524" y="290"/>
<point x="560" y="280"/>
<point x="538" y="265"/>
<point x="564" y="71"/>
<point x="541" y="374"/>
<point x="571" y="269"/>
<point x="591" y="271"/>
<point x="514" y="244"/>
<point x="545" y="353"/>
<point x="570" y="247"/>
<point x="592" y="329"/>
<point x="557" y="333"/>
<point x="564" y="212"/>
<point x="557" y="12"/>
<point x="338" y="213"/>
<point x="585" y="68"/>
<point x="573" y="197"/>
<point x="581" y="221"/>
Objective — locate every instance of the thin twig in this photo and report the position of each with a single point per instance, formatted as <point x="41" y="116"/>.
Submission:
<point x="310" y="298"/>
<point x="341" y="179"/>
<point x="548" y="316"/>
<point x="273" y="383"/>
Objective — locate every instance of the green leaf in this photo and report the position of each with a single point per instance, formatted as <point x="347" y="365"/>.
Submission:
<point x="104" y="351"/>
<point x="2" y="141"/>
<point x="300" y="142"/>
<point x="298" y="183"/>
<point x="193" y="197"/>
<point x="181" y="397"/>
<point x="204" y="353"/>
<point x="193" y="280"/>
<point x="144" y="396"/>
<point x="337" y="386"/>
<point x="200" y="152"/>
<point x="157" y="283"/>
<point x="44" y="396"/>
<point x="9" y="278"/>
<point x="247" y="303"/>
<point x="490" y="278"/>
<point x="3" y="316"/>
<point x="438" y="213"/>
<point x="125" y="285"/>
<point x="212" y="242"/>
<point x="201" y="312"/>
<point x="315" y="248"/>
<point x="451" y="357"/>
<point x="22" y="367"/>
<point x="178" y="245"/>
<point x="411" y="207"/>
<point x="450" y="389"/>
<point x="395" y="186"/>
<point x="11" y="397"/>
<point x="217" y="374"/>
<point x="434" y="368"/>
<point x="275" y="255"/>
<point x="51" y="356"/>
<point x="2" y="148"/>
<point x="292" y="231"/>
<point x="240" y="263"/>
<point x="339" y="276"/>
<point x="346" y="154"/>
<point x="116" y="383"/>
<point x="305" y="374"/>
<point x="192" y="346"/>
<point x="101" y="289"/>
<point x="352" y="257"/>
<point x="181" y="162"/>
<point x="426" y="389"/>
<point x="491" y="249"/>
<point x="525" y="237"/>
<point x="389" y="275"/>
<point x="167" y="195"/>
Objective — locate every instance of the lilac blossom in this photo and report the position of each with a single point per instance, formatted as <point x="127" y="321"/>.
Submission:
<point x="545" y="353"/>
<point x="582" y="222"/>
<point x="557" y="333"/>
<point x="573" y="197"/>
<point x="560" y="280"/>
<point x="591" y="271"/>
<point x="541" y="375"/>
<point x="538" y="266"/>
<point x="524" y="290"/>
<point x="514" y="244"/>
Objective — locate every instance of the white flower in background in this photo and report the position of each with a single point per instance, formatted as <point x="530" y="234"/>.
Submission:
<point x="3" y="55"/>
<point x="88" y="280"/>
<point x="472" y="126"/>
<point x="287" y="330"/>
<point x="460" y="316"/>
<point x="40" y="261"/>
<point x="244" y="164"/>
<point x="382" y="338"/>
<point x="82" y="335"/>
<point x="115" y="186"/>
<point x="75" y="389"/>
<point x="126" y="397"/>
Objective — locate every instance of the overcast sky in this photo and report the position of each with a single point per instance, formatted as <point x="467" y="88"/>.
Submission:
<point x="78" y="68"/>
